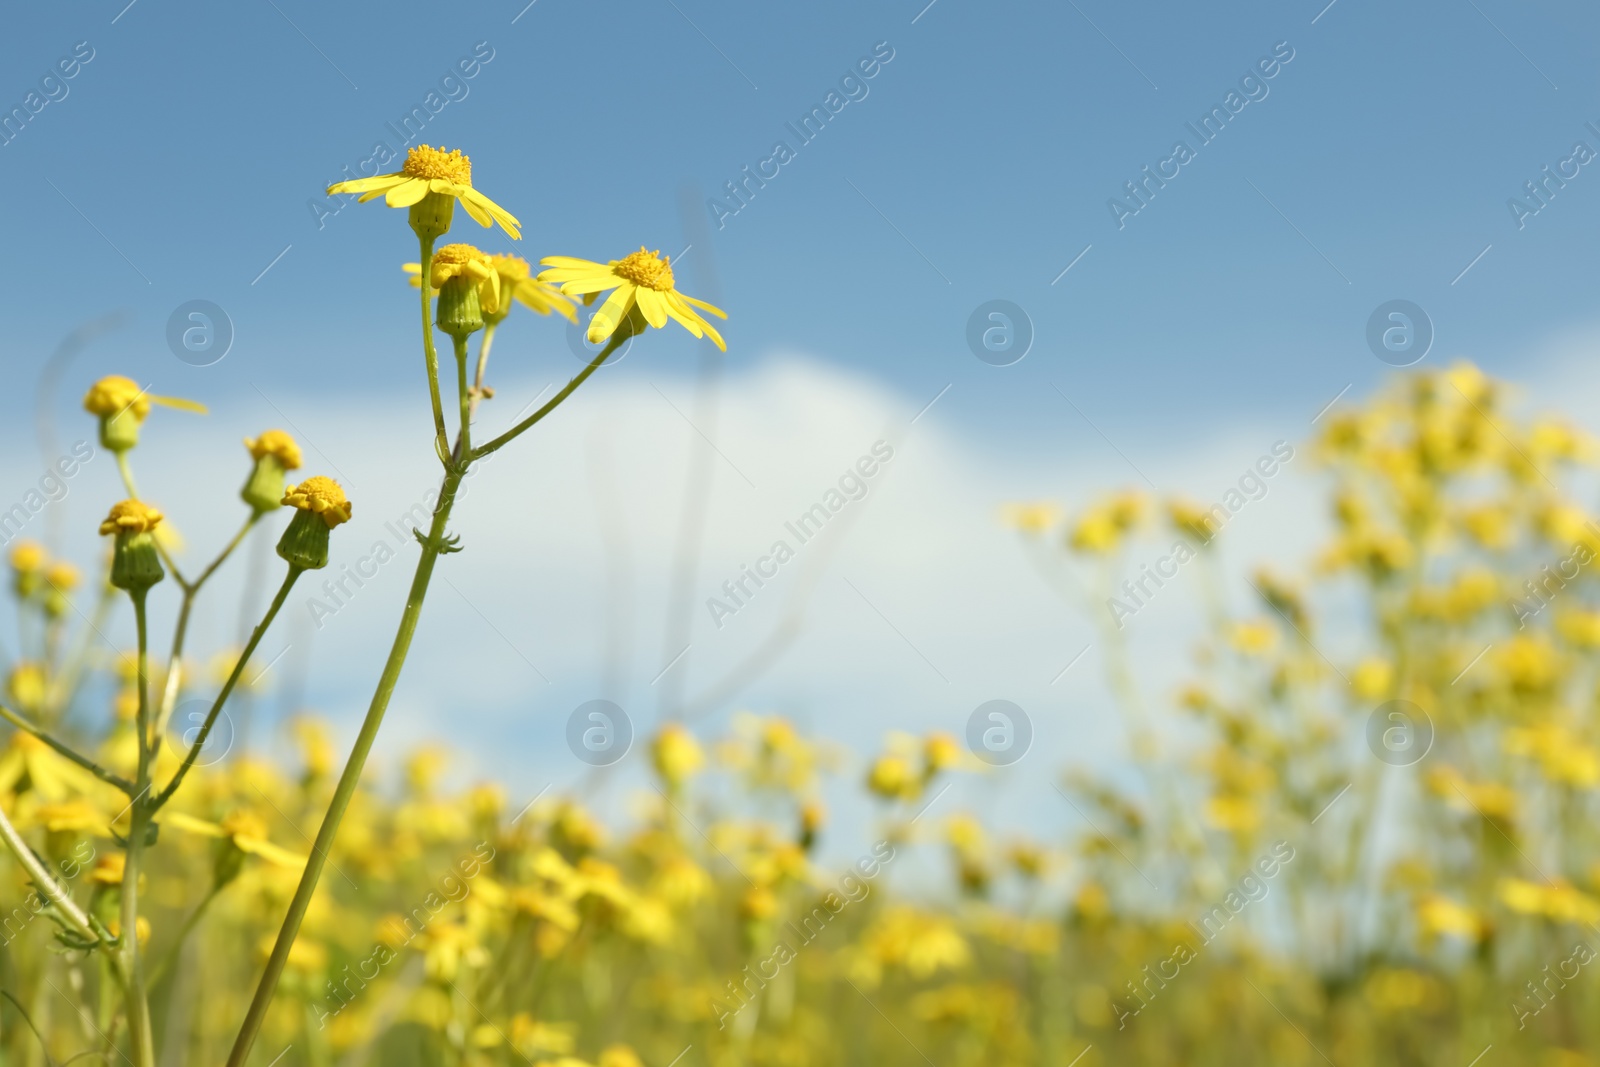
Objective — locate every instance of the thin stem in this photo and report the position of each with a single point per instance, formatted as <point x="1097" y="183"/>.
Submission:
<point x="441" y="434"/>
<point x="464" y="398"/>
<point x="66" y="750"/>
<point x="617" y="340"/>
<point x="431" y="549"/>
<point x="227" y="688"/>
<point x="140" y="1033"/>
<point x="483" y="362"/>
<point x="174" y="680"/>
<point x="126" y="470"/>
<point x="46" y="883"/>
<point x="169" y="956"/>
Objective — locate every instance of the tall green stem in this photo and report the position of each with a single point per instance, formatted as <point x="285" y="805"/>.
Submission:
<point x="174" y="680"/>
<point x="228" y="686"/>
<point x="431" y="550"/>
<point x="139" y="1029"/>
<point x="441" y="434"/>
<point x="616" y="342"/>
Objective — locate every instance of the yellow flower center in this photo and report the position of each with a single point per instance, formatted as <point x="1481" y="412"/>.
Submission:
<point x="322" y="496"/>
<point x="458" y="255"/>
<point x="275" y="443"/>
<point x="131" y="516"/>
<point x="112" y="394"/>
<point x="425" y="162"/>
<point x="648" y="269"/>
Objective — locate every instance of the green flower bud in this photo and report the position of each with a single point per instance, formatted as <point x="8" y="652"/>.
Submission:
<point x="135" y="560"/>
<point x="320" y="506"/>
<point x="430" y="216"/>
<point x="460" y="312"/>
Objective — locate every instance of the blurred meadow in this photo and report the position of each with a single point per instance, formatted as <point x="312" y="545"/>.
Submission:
<point x="1358" y="833"/>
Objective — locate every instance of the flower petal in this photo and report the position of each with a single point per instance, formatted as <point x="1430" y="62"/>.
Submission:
<point x="702" y="305"/>
<point x="653" y="307"/>
<point x="361" y="185"/>
<point x="407" y="194"/>
<point x="609" y="316"/>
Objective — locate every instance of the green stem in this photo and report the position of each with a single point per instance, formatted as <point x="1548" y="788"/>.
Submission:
<point x="227" y="688"/>
<point x="174" y="680"/>
<point x="140" y="1035"/>
<point x="48" y="887"/>
<point x="169" y="956"/>
<point x="617" y="340"/>
<point x="464" y="399"/>
<point x="126" y="470"/>
<point x="441" y="434"/>
<point x="351" y="777"/>
<point x="483" y="360"/>
<point x="66" y="750"/>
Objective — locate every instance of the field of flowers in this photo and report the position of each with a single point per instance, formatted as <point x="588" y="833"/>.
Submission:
<point x="1360" y="834"/>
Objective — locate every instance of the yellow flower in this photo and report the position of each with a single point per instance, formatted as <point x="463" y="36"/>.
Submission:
<point x="642" y="280"/>
<point x="277" y="444"/>
<point x="1372" y="678"/>
<point x="1030" y="518"/>
<point x="28" y="557"/>
<point x="114" y="394"/>
<point x="1253" y="638"/>
<point x="891" y="777"/>
<point x="62" y="576"/>
<point x="323" y="497"/>
<point x="1438" y="914"/>
<point x="131" y="516"/>
<point x="676" y="754"/>
<point x="462" y="261"/>
<point x="542" y="297"/>
<point x="432" y="170"/>
<point x="108" y="869"/>
<point x="246" y="831"/>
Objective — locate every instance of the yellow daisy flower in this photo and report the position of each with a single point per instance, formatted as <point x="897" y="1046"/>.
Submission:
<point x="121" y="405"/>
<point x="432" y="171"/>
<point x="642" y="280"/>
<point x="279" y="445"/>
<point x="462" y="261"/>
<point x="542" y="297"/>
<point x="322" y="496"/>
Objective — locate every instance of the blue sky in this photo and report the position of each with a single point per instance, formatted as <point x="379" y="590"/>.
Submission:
<point x="184" y="157"/>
